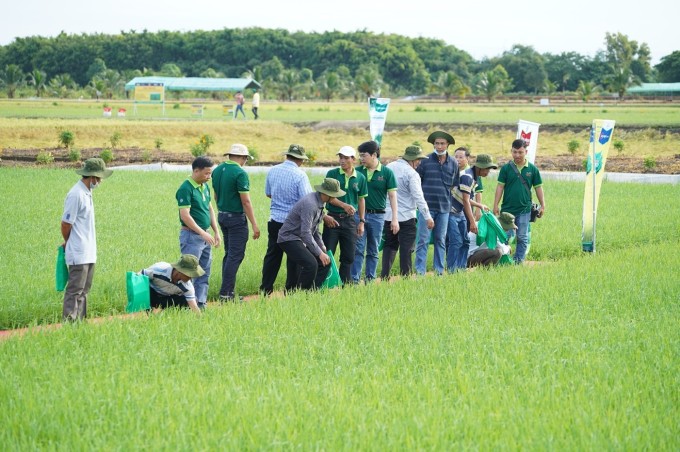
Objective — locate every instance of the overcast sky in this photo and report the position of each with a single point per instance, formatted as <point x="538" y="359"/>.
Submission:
<point x="481" y="28"/>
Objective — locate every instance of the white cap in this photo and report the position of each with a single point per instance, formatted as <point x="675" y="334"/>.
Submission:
<point x="239" y="149"/>
<point x="347" y="151"/>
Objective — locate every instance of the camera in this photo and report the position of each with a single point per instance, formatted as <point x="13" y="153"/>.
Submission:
<point x="535" y="209"/>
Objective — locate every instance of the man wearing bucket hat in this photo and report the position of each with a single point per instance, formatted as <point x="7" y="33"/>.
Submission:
<point x="232" y="195"/>
<point x="483" y="256"/>
<point x="346" y="217"/>
<point x="170" y="284"/>
<point x="438" y="174"/>
<point x="461" y="218"/>
<point x="80" y="238"/>
<point x="409" y="198"/>
<point x="196" y="216"/>
<point x="285" y="185"/>
<point x="300" y="239"/>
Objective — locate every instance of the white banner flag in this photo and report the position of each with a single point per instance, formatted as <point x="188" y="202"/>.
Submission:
<point x="528" y="131"/>
<point x="377" y="113"/>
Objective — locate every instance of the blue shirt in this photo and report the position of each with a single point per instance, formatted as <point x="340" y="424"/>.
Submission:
<point x="286" y="183"/>
<point x="437" y="181"/>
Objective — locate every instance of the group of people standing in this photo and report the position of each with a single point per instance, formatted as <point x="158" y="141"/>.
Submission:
<point x="241" y="100"/>
<point x="407" y="204"/>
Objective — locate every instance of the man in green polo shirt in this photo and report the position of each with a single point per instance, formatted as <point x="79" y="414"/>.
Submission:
<point x="342" y="225"/>
<point x="381" y="184"/>
<point x="232" y="195"/>
<point x="515" y="180"/>
<point x="196" y="215"/>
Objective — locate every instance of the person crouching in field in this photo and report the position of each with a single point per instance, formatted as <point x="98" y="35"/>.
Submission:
<point x="170" y="284"/>
<point x="80" y="238"/>
<point x="480" y="256"/>
<point x="300" y="239"/>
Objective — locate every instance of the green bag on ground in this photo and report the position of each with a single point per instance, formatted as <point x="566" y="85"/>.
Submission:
<point x="61" y="271"/>
<point x="505" y="260"/>
<point x="333" y="276"/>
<point x="138" y="297"/>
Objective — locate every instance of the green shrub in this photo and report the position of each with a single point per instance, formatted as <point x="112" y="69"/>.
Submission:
<point x="66" y="138"/>
<point x="312" y="158"/>
<point x="420" y="109"/>
<point x="115" y="139"/>
<point x="74" y="155"/>
<point x="158" y="143"/>
<point x="618" y="145"/>
<point x="202" y="146"/>
<point x="146" y="156"/>
<point x="175" y="107"/>
<point x="650" y="163"/>
<point x="106" y="155"/>
<point x="573" y="146"/>
<point x="44" y="158"/>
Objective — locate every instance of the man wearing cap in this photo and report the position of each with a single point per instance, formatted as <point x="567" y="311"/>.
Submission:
<point x="481" y="255"/>
<point x="381" y="185"/>
<point x="409" y="197"/>
<point x="346" y="214"/>
<point x="170" y="284"/>
<point x="515" y="180"/>
<point x="196" y="216"/>
<point x="438" y="174"/>
<point x="285" y="185"/>
<point x="80" y="238"/>
<point x="461" y="218"/>
<point x="232" y="195"/>
<point x="300" y="239"/>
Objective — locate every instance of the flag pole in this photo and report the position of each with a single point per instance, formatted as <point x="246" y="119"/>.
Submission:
<point x="594" y="171"/>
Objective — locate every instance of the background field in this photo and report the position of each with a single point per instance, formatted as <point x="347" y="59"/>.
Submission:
<point x="577" y="352"/>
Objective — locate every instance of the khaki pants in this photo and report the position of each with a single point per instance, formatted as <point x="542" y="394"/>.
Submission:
<point x="75" y="295"/>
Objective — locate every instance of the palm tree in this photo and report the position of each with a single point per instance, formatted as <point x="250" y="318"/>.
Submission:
<point x="12" y="78"/>
<point x="586" y="89"/>
<point x="97" y="87"/>
<point x="38" y="79"/>
<point x="61" y="85"/>
<point x="329" y="85"/>
<point x="368" y="80"/>
<point x="493" y="83"/>
<point x="450" y="84"/>
<point x="288" y="83"/>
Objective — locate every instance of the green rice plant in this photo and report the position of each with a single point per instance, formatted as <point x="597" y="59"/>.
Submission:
<point x="66" y="138"/>
<point x="74" y="155"/>
<point x="146" y="156"/>
<point x="158" y="144"/>
<point x="618" y="145"/>
<point x="115" y="139"/>
<point x="106" y="155"/>
<point x="650" y="163"/>
<point x="573" y="146"/>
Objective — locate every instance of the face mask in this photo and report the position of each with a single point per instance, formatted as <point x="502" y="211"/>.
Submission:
<point x="440" y="153"/>
<point x="94" y="185"/>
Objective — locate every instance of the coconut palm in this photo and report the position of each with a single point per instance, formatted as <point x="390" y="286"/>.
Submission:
<point x="12" y="78"/>
<point x="38" y="79"/>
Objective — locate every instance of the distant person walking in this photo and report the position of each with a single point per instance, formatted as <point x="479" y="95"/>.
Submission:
<point x="285" y="185"/>
<point x="80" y="238"/>
<point x="196" y="216"/>
<point x="232" y="195"/>
<point x="256" y="104"/>
<point x="240" y="100"/>
<point x="515" y="180"/>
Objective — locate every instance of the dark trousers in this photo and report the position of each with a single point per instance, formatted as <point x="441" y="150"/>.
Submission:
<point x="255" y="112"/>
<point x="235" y="234"/>
<point x="484" y="257"/>
<point x="272" y="260"/>
<point x="404" y="242"/>
<point x="311" y="272"/>
<point x="166" y="301"/>
<point x="346" y="236"/>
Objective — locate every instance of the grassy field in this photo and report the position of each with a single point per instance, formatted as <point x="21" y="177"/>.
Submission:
<point x="576" y="352"/>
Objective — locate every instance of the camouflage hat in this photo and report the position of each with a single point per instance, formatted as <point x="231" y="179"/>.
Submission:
<point x="485" y="161"/>
<point x="330" y="187"/>
<point x="94" y="167"/>
<point x="296" y="151"/>
<point x="507" y="221"/>
<point x="413" y="152"/>
<point x="188" y="264"/>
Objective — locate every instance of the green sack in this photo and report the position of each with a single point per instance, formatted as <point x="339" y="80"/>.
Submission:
<point x="505" y="260"/>
<point x="61" y="271"/>
<point x="333" y="276"/>
<point x="138" y="295"/>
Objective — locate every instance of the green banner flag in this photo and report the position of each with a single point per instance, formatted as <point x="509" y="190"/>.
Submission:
<point x="600" y="141"/>
<point x="377" y="113"/>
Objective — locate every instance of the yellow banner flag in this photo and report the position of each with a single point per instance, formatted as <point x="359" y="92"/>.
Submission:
<point x="600" y="141"/>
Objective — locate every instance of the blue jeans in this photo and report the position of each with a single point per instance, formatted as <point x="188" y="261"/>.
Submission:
<point x="522" y="222"/>
<point x="368" y="244"/>
<point x="441" y="223"/>
<point x="235" y="235"/>
<point x="192" y="243"/>
<point x="458" y="243"/>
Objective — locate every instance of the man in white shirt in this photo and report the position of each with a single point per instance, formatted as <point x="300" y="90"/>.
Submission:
<point x="481" y="255"/>
<point x="170" y="284"/>
<point x="80" y="238"/>
<point x="409" y="197"/>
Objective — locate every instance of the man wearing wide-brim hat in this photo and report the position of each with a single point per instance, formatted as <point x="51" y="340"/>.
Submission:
<point x="171" y="284"/>
<point x="479" y="256"/>
<point x="300" y="238"/>
<point x="285" y="185"/>
<point x="80" y="238"/>
<point x="461" y="218"/>
<point x="409" y="199"/>
<point x="234" y="209"/>
<point x="438" y="174"/>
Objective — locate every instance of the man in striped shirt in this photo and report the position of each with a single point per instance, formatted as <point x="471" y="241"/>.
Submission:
<point x="170" y="284"/>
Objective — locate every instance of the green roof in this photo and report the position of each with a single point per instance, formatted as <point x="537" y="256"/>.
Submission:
<point x="654" y="88"/>
<point x="196" y="83"/>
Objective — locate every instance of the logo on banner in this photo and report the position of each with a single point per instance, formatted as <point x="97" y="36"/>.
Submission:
<point x="380" y="108"/>
<point x="526" y="136"/>
<point x="605" y="134"/>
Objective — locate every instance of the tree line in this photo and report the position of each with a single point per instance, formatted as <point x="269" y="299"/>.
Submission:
<point x="329" y="65"/>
